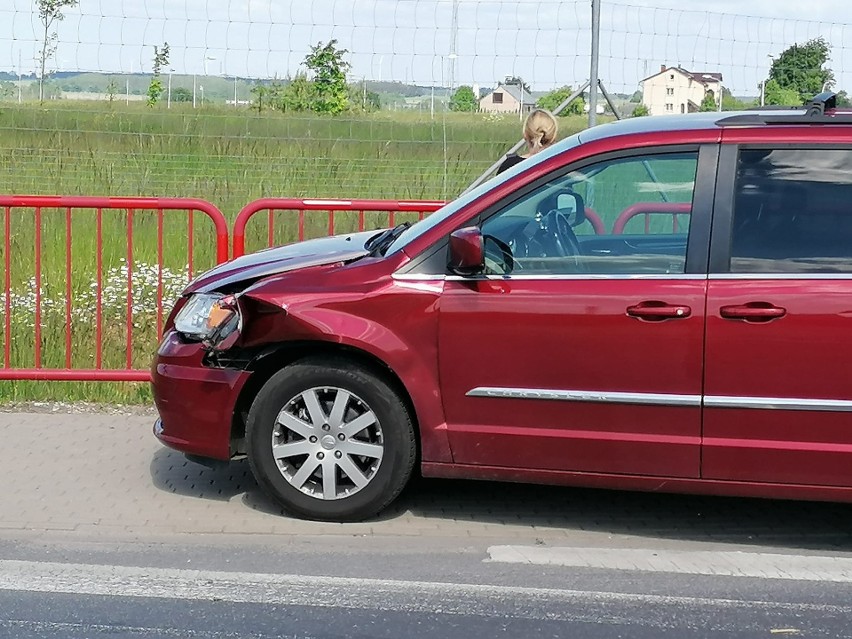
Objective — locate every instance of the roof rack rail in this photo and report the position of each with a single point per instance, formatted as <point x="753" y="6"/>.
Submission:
<point x="820" y="103"/>
<point x="814" y="112"/>
<point x="774" y="108"/>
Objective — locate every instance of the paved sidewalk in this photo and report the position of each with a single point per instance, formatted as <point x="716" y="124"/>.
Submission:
<point x="100" y="475"/>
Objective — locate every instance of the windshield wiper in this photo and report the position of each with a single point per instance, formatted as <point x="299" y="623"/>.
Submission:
<point x="380" y="242"/>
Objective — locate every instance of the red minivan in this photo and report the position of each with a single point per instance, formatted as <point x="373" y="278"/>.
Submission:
<point x="691" y="339"/>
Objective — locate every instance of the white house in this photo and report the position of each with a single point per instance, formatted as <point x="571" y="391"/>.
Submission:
<point x="507" y="98"/>
<point x="676" y="90"/>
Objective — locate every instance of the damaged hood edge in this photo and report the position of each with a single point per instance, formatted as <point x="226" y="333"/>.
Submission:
<point x="307" y="254"/>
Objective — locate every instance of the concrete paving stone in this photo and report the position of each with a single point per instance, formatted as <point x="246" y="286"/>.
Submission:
<point x="110" y="476"/>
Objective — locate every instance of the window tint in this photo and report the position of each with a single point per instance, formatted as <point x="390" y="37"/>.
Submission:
<point x="793" y="212"/>
<point x="643" y="202"/>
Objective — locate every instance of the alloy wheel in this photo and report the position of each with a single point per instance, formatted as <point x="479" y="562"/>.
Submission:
<point x="327" y="443"/>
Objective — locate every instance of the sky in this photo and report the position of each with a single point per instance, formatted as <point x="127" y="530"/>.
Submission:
<point x="546" y="42"/>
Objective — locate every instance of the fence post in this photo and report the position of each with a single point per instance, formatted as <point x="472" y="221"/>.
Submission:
<point x="593" y="74"/>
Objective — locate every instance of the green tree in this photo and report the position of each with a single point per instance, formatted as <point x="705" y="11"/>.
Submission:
<point x="300" y="94"/>
<point x="464" y="100"/>
<point x="155" y="89"/>
<point x="181" y="94"/>
<point x="270" y="95"/>
<point x="49" y="91"/>
<point x="775" y="94"/>
<point x="261" y="97"/>
<point x="708" y="103"/>
<point x="640" y="111"/>
<point x="636" y="97"/>
<point x="553" y="99"/>
<point x="730" y="103"/>
<point x="513" y="80"/>
<point x="7" y="90"/>
<point x="362" y="99"/>
<point x="801" y="68"/>
<point x="843" y="100"/>
<point x="329" y="93"/>
<point x="49" y="12"/>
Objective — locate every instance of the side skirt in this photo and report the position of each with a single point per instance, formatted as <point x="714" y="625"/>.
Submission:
<point x="639" y="482"/>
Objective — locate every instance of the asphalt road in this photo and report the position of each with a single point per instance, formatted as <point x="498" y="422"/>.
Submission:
<point x="104" y="533"/>
<point x="389" y="588"/>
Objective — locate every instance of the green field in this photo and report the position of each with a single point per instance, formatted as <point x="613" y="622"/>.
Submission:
<point x="225" y="156"/>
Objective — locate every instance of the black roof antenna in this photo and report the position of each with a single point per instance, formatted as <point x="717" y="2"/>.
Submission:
<point x="818" y="105"/>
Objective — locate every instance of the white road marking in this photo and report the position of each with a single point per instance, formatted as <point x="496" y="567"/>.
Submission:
<point x="346" y="592"/>
<point x="702" y="562"/>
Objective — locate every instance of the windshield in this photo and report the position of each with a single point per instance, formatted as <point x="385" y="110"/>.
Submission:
<point x="425" y="225"/>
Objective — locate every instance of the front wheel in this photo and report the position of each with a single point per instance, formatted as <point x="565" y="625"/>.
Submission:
<point x="330" y="441"/>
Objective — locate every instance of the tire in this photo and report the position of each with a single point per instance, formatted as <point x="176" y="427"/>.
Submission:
<point x="330" y="441"/>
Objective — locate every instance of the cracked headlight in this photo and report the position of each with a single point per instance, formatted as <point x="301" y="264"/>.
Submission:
<point x="209" y="318"/>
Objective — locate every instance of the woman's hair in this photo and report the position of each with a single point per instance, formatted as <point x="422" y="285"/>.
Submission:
<point x="540" y="129"/>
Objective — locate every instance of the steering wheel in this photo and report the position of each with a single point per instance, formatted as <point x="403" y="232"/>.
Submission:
<point x="557" y="224"/>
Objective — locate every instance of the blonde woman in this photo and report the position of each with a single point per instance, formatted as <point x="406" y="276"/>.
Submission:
<point x="540" y="131"/>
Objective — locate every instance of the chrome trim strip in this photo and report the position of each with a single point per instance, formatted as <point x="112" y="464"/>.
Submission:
<point x="580" y="276"/>
<point x="655" y="399"/>
<point x="645" y="276"/>
<point x="418" y="277"/>
<point x="778" y="403"/>
<point x="664" y="399"/>
<point x="781" y="276"/>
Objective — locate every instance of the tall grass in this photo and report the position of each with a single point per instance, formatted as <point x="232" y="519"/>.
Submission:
<point x="231" y="157"/>
<point x="228" y="157"/>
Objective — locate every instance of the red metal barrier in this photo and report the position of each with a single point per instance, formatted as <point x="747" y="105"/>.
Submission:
<point x="44" y="207"/>
<point x="60" y="211"/>
<point x="330" y="207"/>
<point x="648" y="209"/>
<point x="596" y="221"/>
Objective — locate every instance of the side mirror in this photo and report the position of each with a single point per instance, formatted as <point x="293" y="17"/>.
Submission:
<point x="467" y="251"/>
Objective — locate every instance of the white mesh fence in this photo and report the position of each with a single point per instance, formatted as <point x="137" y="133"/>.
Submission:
<point x="94" y="135"/>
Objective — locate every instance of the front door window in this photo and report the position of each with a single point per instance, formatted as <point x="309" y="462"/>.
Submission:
<point x="644" y="202"/>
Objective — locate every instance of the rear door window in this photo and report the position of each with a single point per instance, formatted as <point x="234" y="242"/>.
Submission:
<point x="792" y="211"/>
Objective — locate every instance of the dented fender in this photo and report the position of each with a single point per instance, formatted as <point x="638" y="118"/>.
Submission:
<point x="279" y="311"/>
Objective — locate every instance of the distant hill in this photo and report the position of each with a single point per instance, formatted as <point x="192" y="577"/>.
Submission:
<point x="216" y="88"/>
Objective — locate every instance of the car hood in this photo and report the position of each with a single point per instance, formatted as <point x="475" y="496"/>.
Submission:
<point x="252" y="267"/>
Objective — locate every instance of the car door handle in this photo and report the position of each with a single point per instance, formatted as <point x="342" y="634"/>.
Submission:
<point x="753" y="312"/>
<point x="656" y="311"/>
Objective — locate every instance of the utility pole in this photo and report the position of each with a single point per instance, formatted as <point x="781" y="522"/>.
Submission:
<point x="454" y="36"/>
<point x="593" y="75"/>
<point x="201" y="88"/>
